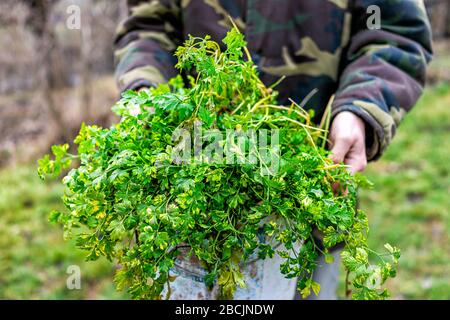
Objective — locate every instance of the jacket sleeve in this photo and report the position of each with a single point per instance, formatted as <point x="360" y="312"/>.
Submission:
<point x="145" y="42"/>
<point x="384" y="70"/>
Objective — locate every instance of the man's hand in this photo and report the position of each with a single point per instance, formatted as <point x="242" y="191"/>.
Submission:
<point x="347" y="139"/>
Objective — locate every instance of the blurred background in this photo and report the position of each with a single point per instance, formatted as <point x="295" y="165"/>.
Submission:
<point x="52" y="78"/>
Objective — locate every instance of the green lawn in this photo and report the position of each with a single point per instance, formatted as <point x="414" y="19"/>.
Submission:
<point x="408" y="207"/>
<point x="409" y="204"/>
<point x="33" y="256"/>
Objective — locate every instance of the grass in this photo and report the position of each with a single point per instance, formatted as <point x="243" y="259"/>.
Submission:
<point x="408" y="207"/>
<point x="409" y="204"/>
<point x="34" y="258"/>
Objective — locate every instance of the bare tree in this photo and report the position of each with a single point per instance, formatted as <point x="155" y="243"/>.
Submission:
<point x="86" y="49"/>
<point x="439" y="12"/>
<point x="40" y="25"/>
<point x="97" y="27"/>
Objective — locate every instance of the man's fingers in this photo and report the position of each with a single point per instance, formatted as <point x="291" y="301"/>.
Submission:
<point x="356" y="164"/>
<point x="347" y="141"/>
<point x="340" y="148"/>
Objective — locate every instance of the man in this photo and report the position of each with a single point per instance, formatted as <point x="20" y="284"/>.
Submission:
<point x="377" y="74"/>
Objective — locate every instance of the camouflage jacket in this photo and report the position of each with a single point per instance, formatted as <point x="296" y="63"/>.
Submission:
<point x="317" y="44"/>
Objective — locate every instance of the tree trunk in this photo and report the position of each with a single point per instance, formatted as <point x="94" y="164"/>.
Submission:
<point x="86" y="81"/>
<point x="40" y="26"/>
<point x="439" y="13"/>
